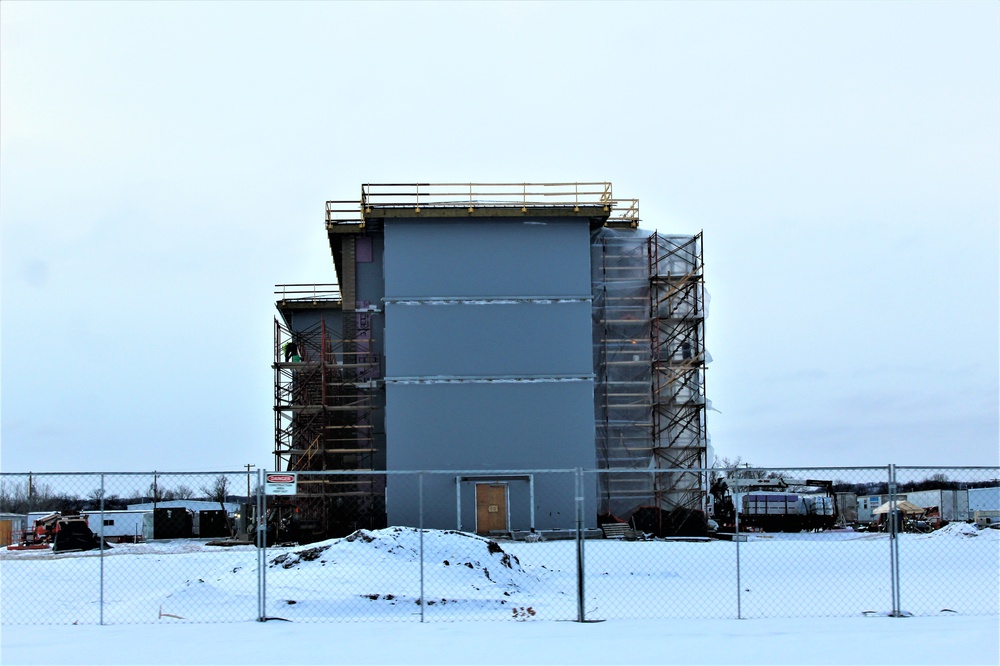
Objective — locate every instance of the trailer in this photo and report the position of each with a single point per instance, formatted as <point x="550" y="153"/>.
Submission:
<point x="942" y="506"/>
<point x="123" y="526"/>
<point x="868" y="503"/>
<point x="847" y="504"/>
<point x="12" y="528"/>
<point x="984" y="499"/>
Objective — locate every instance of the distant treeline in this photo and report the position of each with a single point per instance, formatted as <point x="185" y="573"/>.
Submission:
<point x="35" y="495"/>
<point x="933" y="482"/>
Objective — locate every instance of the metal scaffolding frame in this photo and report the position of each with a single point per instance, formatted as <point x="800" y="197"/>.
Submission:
<point x="622" y="361"/>
<point x="677" y="324"/>
<point x="324" y="406"/>
<point x="649" y="360"/>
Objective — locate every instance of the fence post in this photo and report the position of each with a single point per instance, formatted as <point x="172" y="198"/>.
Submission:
<point x="101" y="537"/>
<point x="260" y="536"/>
<point x="581" y="612"/>
<point x="739" y="581"/>
<point x="420" y="502"/>
<point x="894" y="530"/>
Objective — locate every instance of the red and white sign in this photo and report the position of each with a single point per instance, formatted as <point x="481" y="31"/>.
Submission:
<point x="279" y="483"/>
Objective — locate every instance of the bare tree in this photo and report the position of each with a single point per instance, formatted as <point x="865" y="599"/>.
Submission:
<point x="940" y="479"/>
<point x="735" y="468"/>
<point x="183" y="492"/>
<point x="11" y="496"/>
<point x="218" y="490"/>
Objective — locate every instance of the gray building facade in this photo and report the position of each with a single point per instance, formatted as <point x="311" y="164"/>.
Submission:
<point x="488" y="364"/>
<point x="462" y="334"/>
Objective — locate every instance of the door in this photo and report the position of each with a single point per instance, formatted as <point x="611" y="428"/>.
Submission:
<point x="491" y="507"/>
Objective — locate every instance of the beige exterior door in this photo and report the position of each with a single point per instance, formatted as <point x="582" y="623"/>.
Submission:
<point x="491" y="507"/>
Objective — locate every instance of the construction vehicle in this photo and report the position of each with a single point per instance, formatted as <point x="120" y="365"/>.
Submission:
<point x="774" y="504"/>
<point x="61" y="533"/>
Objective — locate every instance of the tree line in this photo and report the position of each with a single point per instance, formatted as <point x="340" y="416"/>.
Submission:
<point x="25" y="496"/>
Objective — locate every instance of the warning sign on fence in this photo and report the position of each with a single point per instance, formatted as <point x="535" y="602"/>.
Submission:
<point x="279" y="483"/>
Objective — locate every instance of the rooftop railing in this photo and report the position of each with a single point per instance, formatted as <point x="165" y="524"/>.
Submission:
<point x="476" y="195"/>
<point x="307" y="292"/>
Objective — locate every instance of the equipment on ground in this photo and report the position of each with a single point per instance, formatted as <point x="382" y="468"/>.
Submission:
<point x="775" y="504"/>
<point x="61" y="532"/>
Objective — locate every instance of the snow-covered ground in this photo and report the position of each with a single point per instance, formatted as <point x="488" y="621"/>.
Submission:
<point x="857" y="640"/>
<point x="806" y="598"/>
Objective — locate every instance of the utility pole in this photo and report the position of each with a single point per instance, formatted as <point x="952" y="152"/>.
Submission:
<point x="246" y="510"/>
<point x="249" y="467"/>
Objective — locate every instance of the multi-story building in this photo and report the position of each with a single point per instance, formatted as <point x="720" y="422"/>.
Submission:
<point x="492" y="330"/>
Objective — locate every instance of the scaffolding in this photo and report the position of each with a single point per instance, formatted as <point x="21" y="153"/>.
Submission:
<point x="622" y="361"/>
<point x="324" y="410"/>
<point x="649" y="361"/>
<point x="677" y="323"/>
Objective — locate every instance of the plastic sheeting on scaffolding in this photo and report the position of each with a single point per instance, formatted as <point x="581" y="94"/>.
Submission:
<point x="648" y="305"/>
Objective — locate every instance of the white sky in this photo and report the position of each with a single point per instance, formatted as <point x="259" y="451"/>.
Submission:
<point x="162" y="165"/>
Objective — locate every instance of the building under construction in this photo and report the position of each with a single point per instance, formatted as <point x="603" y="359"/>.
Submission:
<point x="495" y="328"/>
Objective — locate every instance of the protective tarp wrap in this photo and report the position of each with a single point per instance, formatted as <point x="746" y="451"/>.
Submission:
<point x="649" y="360"/>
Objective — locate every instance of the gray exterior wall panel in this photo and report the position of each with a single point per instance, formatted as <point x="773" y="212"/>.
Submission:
<point x="518" y="339"/>
<point x="481" y="258"/>
<point x="518" y="413"/>
<point x="468" y="426"/>
<point x="520" y="425"/>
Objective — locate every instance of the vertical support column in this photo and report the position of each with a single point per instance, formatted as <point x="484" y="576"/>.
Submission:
<point x="420" y="507"/>
<point x="277" y="395"/>
<point x="261" y="548"/>
<point x="325" y="421"/>
<point x="349" y="289"/>
<point x="739" y="581"/>
<point x="894" y="530"/>
<point x="531" y="498"/>
<point x="101" y="537"/>
<point x="652" y="261"/>
<point x="581" y="612"/>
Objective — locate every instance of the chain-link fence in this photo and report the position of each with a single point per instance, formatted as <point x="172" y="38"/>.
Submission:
<point x="492" y="545"/>
<point x="127" y="548"/>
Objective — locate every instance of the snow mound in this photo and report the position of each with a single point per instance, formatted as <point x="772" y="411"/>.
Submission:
<point x="446" y="552"/>
<point x="958" y="530"/>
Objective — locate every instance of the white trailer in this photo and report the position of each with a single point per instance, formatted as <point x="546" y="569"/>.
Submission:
<point x="952" y="505"/>
<point x="984" y="499"/>
<point x="868" y="503"/>
<point x="116" y="525"/>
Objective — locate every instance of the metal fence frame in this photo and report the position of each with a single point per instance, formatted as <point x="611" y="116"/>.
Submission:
<point x="579" y="526"/>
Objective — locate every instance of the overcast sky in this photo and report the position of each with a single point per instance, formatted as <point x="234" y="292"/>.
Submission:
<point x="163" y="165"/>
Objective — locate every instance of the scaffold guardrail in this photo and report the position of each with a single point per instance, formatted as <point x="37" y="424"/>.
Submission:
<point x="307" y="292"/>
<point x="474" y="195"/>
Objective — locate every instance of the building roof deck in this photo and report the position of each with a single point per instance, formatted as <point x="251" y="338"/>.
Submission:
<point x="594" y="201"/>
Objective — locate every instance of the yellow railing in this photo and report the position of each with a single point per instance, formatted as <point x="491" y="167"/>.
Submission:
<point x="343" y="212"/>
<point x="461" y="194"/>
<point x="625" y="210"/>
<point x="473" y="195"/>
